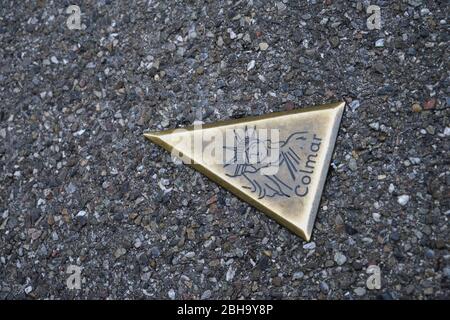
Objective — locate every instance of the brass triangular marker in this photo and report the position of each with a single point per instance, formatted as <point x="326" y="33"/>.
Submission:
<point x="276" y="162"/>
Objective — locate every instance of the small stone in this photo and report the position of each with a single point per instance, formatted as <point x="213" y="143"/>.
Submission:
<point x="54" y="60"/>
<point x="206" y="295"/>
<point x="263" y="46"/>
<point x="415" y="3"/>
<point x="200" y="70"/>
<point x="230" y="273"/>
<point x="35" y="234"/>
<point x="338" y="220"/>
<point x="409" y="289"/>
<point x="395" y="236"/>
<point x="211" y="200"/>
<point x="329" y="263"/>
<point x="403" y="199"/>
<point x="447" y="272"/>
<point x="190" y="233"/>
<point x="416" y="107"/>
<point x="231" y="33"/>
<point x="360" y="291"/>
<point x="118" y="216"/>
<point x="192" y="34"/>
<point x="424" y="11"/>
<point x="339" y="258"/>
<point x="298" y="275"/>
<point x="276" y="281"/>
<point x="386" y="296"/>
<point x="137" y="243"/>
<point x="281" y="6"/>
<point x="429" y="254"/>
<point x="354" y="105"/>
<point x="28" y="289"/>
<point x="334" y="41"/>
<point x="375" y="126"/>
<point x="391" y="188"/>
<point x="379" y="43"/>
<point x="119" y="252"/>
<point x="324" y="287"/>
<point x="352" y="164"/>
<point x="440" y="244"/>
<point x="51" y="219"/>
<point x="447" y="131"/>
<point x="309" y="246"/>
<point x="251" y="65"/>
<point x="171" y="294"/>
<point x="428" y="291"/>
<point x="429" y="104"/>
<point x="81" y="213"/>
<point x="71" y="188"/>
<point x="376" y="216"/>
<point x="431" y="130"/>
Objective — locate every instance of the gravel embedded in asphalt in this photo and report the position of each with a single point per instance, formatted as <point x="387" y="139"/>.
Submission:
<point x="80" y="186"/>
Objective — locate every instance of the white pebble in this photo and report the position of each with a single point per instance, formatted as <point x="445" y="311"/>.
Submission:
<point x="403" y="199"/>
<point x="375" y="126"/>
<point x="263" y="46"/>
<point x="281" y="6"/>
<point x="391" y="188"/>
<point x="424" y="11"/>
<point x="251" y="65"/>
<point x="376" y="216"/>
<point x="309" y="246"/>
<point x="81" y="213"/>
<point x="230" y="274"/>
<point x="379" y="43"/>
<point x="360" y="291"/>
<point x="137" y="243"/>
<point x="231" y="33"/>
<point x="354" y="105"/>
<point x="339" y="258"/>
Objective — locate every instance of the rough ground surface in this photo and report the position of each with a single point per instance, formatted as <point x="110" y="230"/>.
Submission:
<point x="80" y="185"/>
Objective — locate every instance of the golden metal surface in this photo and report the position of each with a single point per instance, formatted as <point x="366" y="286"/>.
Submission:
<point x="276" y="162"/>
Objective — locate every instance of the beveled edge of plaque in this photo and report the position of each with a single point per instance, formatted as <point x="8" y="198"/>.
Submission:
<point x="339" y="107"/>
<point x="304" y="232"/>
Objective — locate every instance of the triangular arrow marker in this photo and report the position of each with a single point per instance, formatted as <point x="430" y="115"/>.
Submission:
<point x="276" y="162"/>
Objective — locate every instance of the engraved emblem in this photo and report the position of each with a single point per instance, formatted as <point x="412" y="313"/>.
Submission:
<point x="277" y="162"/>
<point x="294" y="170"/>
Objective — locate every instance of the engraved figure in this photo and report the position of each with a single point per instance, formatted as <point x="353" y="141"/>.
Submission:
<point x="286" y="182"/>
